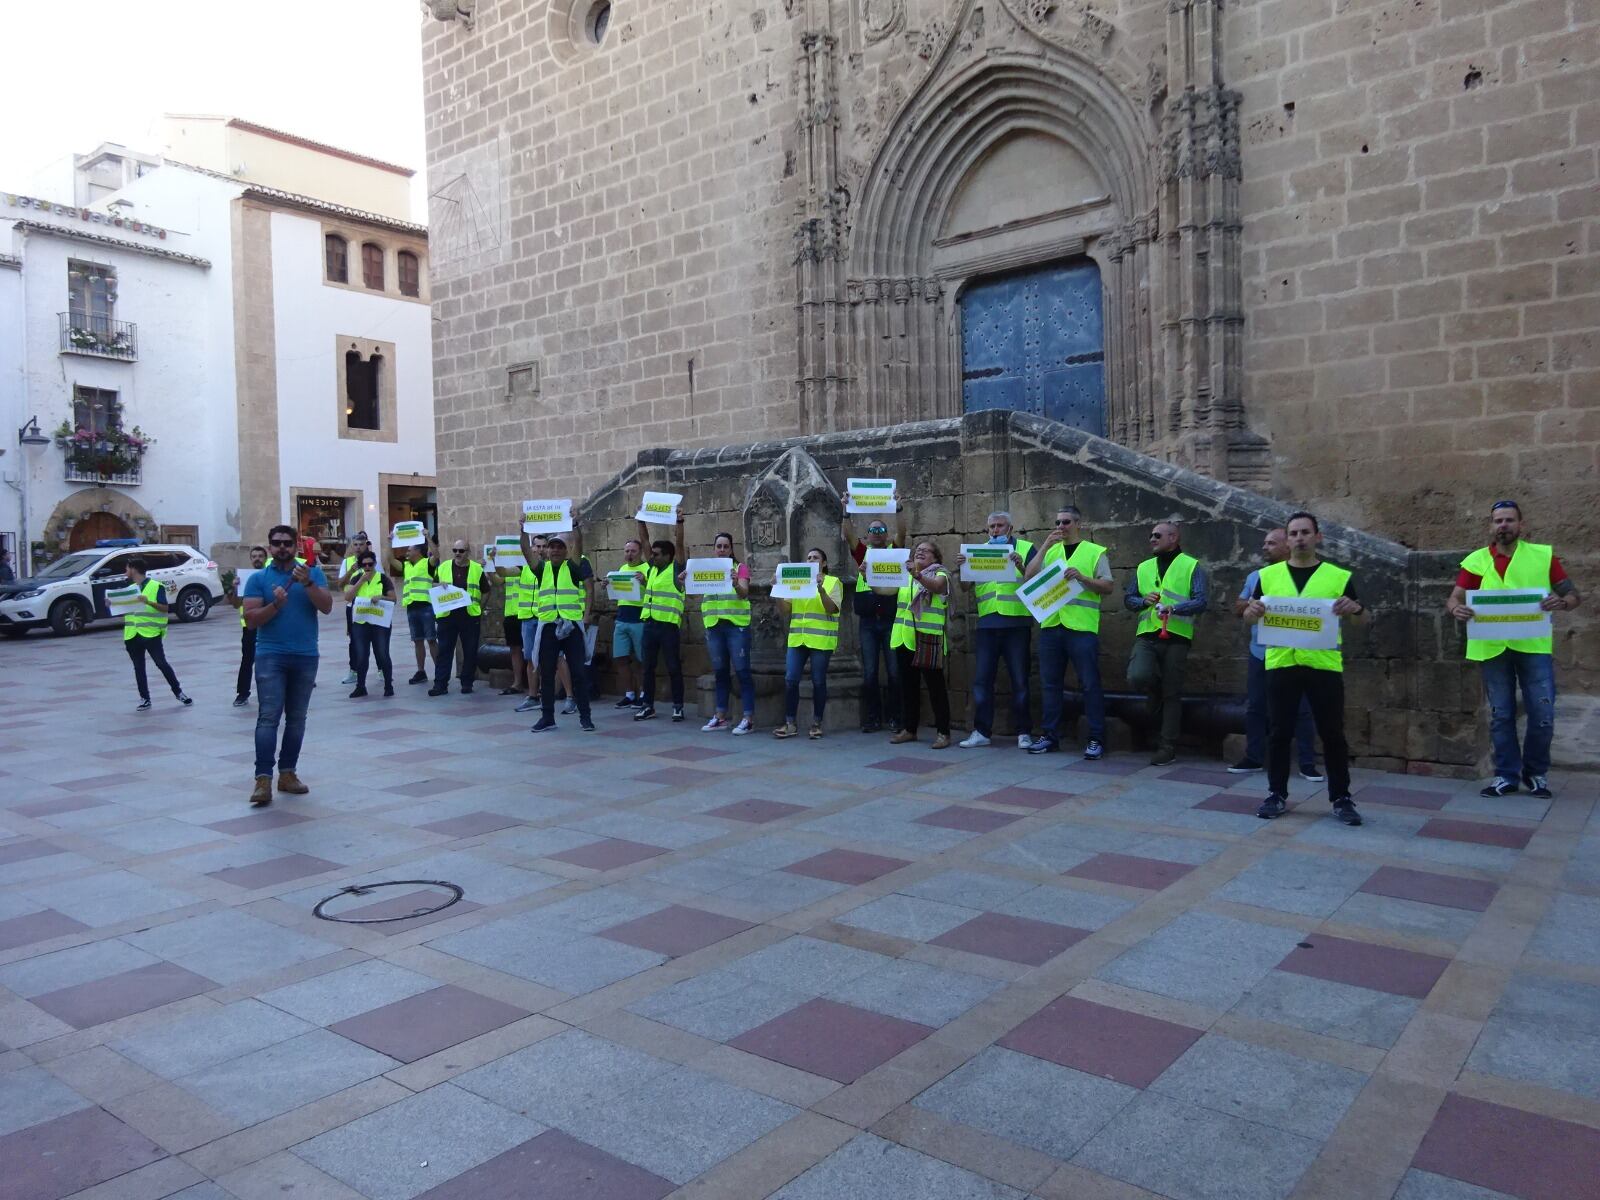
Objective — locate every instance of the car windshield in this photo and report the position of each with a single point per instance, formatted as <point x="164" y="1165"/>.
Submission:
<point x="72" y="564"/>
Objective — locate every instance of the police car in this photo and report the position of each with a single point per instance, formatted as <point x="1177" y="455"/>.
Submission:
<point x="71" y="592"/>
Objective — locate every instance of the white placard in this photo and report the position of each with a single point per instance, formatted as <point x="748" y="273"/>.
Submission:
<point x="126" y="600"/>
<point x="625" y="587"/>
<point x="886" y="568"/>
<point x="989" y="563"/>
<point x="659" y="508"/>
<point x="508" y="552"/>
<point x="1049" y="591"/>
<point x="1507" y="616"/>
<point x="242" y="577"/>
<point x="408" y="533"/>
<point x="874" y="496"/>
<point x="795" y="581"/>
<point x="708" y="577"/>
<point x="447" y="598"/>
<point x="546" y="516"/>
<point x="373" y="610"/>
<point x="1299" y="623"/>
<point x="591" y="634"/>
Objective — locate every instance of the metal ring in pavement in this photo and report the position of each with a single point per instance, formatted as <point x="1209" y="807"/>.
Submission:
<point x="364" y="889"/>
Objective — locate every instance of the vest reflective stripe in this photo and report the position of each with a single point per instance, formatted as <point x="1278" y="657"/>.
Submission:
<point x="560" y="596"/>
<point x="372" y="587"/>
<point x="906" y="629"/>
<point x="147" y="622"/>
<point x="662" y="600"/>
<point x="1082" y="614"/>
<point x="474" y="586"/>
<point x="1000" y="599"/>
<point x="515" y="600"/>
<point x="1327" y="582"/>
<point x="861" y="572"/>
<point x="1528" y="571"/>
<point x="1174" y="589"/>
<point x="528" y="594"/>
<point x="725" y="606"/>
<point x="810" y="624"/>
<point x="419" y="578"/>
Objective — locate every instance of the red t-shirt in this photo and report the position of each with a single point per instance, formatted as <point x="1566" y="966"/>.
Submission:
<point x="1469" y="582"/>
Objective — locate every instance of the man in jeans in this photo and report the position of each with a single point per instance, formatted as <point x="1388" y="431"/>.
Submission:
<point x="874" y="609"/>
<point x="1275" y="548"/>
<point x="281" y="603"/>
<point x="247" y="638"/>
<point x="1509" y="563"/>
<point x="1004" y="629"/>
<point x="1072" y="633"/>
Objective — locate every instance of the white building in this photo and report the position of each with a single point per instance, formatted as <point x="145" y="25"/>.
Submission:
<point x="273" y="349"/>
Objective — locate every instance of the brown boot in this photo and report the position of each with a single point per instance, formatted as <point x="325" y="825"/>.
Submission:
<point x="942" y="742"/>
<point x="902" y="737"/>
<point x="289" y="782"/>
<point x="262" y="795"/>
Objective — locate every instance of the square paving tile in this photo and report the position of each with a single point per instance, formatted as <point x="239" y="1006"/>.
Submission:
<point x="428" y="1022"/>
<point x="332" y="997"/>
<point x="757" y="812"/>
<point x="1545" y="1031"/>
<point x="1015" y="939"/>
<point x="471" y="824"/>
<point x="557" y="1077"/>
<point x="1519" y="1153"/>
<point x="910" y="766"/>
<point x="284" y="1075"/>
<point x="1217" y="776"/>
<point x="972" y="820"/>
<point x="1354" y="1014"/>
<point x="907" y="917"/>
<point x="1361" y="964"/>
<point x="109" y="897"/>
<point x="608" y="853"/>
<point x="1230" y="802"/>
<point x="1105" y="766"/>
<point x="203" y="1039"/>
<point x="1262" y="1085"/>
<point x="122" y="995"/>
<point x="969" y="889"/>
<point x="1570" y="931"/>
<point x="682" y="777"/>
<point x="1451" y="925"/>
<point x="675" y="930"/>
<point x="837" y="1041"/>
<point x="915" y="991"/>
<point x="72" y="1152"/>
<point x="1025" y="797"/>
<point x="274" y="871"/>
<point x="37" y="927"/>
<point x="398" y="912"/>
<point x="1378" y="793"/>
<point x="1100" y="1040"/>
<point x="429" y="787"/>
<point x="847" y="866"/>
<point x="1313" y="885"/>
<point x="721" y="1005"/>
<point x="256" y="822"/>
<point x="692" y="753"/>
<point x="868" y="1166"/>
<point x="32" y="1096"/>
<point x="1202" y="958"/>
<point x="553" y="1166"/>
<point x="21" y="849"/>
<point x="229" y="946"/>
<point x="1426" y="887"/>
<point x="40" y="809"/>
<point x="1131" y="871"/>
<point x="1508" y="837"/>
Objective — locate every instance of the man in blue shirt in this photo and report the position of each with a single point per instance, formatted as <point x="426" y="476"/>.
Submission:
<point x="281" y="603"/>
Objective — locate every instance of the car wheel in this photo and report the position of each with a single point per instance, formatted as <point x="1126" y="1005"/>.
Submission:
<point x="193" y="604"/>
<point x="69" y="616"/>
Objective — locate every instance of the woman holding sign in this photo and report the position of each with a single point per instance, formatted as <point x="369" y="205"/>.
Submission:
<point x="369" y="638"/>
<point x="920" y="642"/>
<point x="727" y="618"/>
<point x="814" y="634"/>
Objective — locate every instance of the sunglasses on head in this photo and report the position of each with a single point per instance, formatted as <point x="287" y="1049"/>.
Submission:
<point x="1499" y="504"/>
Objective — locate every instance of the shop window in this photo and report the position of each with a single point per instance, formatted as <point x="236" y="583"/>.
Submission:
<point x="336" y="256"/>
<point x="410" y="274"/>
<point x="372" y="265"/>
<point x="362" y="381"/>
<point x="321" y="517"/>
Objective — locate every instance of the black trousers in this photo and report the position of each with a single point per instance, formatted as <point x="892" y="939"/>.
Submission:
<point x="911" y="683"/>
<point x="573" y="647"/>
<point x="247" y="662"/>
<point x="372" y="642"/>
<point x="457" y="627"/>
<point x="1324" y="692"/>
<point x="660" y="641"/>
<point x="137" y="648"/>
<point x="350" y="632"/>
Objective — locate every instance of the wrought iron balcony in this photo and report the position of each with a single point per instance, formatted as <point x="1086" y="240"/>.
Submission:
<point x="74" y="474"/>
<point x="90" y="333"/>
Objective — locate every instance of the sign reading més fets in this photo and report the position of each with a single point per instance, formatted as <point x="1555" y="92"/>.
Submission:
<point x="88" y="216"/>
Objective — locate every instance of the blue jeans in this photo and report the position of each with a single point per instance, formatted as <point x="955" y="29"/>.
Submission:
<point x="876" y="706"/>
<point x="283" y="693"/>
<point x="1255" y="720"/>
<point x="991" y="645"/>
<point x="1059" y="646"/>
<point x="1536" y="675"/>
<point x="729" y="647"/>
<point x="793" y="667"/>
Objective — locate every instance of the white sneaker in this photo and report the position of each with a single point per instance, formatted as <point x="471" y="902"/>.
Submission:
<point x="743" y="727"/>
<point x="714" y="724"/>
<point x="1024" y="741"/>
<point x="973" y="740"/>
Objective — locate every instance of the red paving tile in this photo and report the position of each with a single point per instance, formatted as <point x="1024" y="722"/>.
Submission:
<point x="1104" y="766"/>
<point x="972" y="820"/>
<point x="411" y="756"/>
<point x="682" y="777"/>
<point x="95" y="783"/>
<point x="1511" y="1151"/>
<point x="837" y="1041"/>
<point x="274" y="871"/>
<point x="470" y="824"/>
<point x="1382" y="968"/>
<point x="1024" y="797"/>
<point x="71" y="1153"/>
<point x="430" y="787"/>
<point x="566" y="758"/>
<point x="846" y="866"/>
<point x="267" y="818"/>
<point x="1230" y="802"/>
<point x="1131" y="871"/>
<point x="1100" y="1040"/>
<point x="692" y="753"/>
<point x="1451" y="891"/>
<point x="122" y="995"/>
<point x="1217" y="776"/>
<point x="26" y="848"/>
<point x="393" y="913"/>
<point x="1015" y="939"/>
<point x="675" y="930"/>
<point x="51" y="808"/>
<point x="553" y="1166"/>
<point x="608" y="853"/>
<point x="758" y="812"/>
<point x="910" y="766"/>
<point x="426" y="1023"/>
<point x="1402" y="797"/>
<point x="37" y="927"/>
<point x="1508" y="836"/>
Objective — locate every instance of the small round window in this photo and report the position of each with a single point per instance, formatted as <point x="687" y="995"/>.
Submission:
<point x="598" y="22"/>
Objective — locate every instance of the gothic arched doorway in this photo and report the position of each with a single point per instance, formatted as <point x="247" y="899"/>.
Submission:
<point x="96" y="526"/>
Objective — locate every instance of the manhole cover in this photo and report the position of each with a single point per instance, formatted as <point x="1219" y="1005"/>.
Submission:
<point x="452" y="893"/>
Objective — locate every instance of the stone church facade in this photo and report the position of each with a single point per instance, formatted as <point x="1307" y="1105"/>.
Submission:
<point x="1342" y="253"/>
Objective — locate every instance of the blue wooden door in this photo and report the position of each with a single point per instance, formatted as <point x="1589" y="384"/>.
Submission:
<point x="1034" y="342"/>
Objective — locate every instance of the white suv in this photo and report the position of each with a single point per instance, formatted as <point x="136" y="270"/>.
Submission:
<point x="71" y="591"/>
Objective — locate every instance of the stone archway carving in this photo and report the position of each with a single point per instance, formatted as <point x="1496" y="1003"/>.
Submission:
<point x="87" y="503"/>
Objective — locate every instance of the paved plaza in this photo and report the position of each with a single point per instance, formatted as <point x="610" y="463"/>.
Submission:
<point x="688" y="964"/>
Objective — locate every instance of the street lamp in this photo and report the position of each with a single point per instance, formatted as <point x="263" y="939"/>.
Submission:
<point x="29" y="435"/>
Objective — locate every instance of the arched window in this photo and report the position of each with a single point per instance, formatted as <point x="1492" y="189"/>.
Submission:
<point x="372" y="265"/>
<point x="336" y="256"/>
<point x="410" y="275"/>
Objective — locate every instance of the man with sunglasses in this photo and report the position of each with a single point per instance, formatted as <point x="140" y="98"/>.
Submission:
<point x="1168" y="590"/>
<point x="359" y="545"/>
<point x="1509" y="563"/>
<point x="874" y="609"/>
<point x="461" y="626"/>
<point x="1004" y="628"/>
<point x="1071" y="634"/>
<point x="281" y="603"/>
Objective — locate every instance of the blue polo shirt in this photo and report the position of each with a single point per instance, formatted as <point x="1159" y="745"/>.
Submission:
<point x="294" y="629"/>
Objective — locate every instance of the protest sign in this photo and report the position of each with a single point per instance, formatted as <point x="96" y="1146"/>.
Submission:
<point x="625" y="587"/>
<point x="124" y="601"/>
<point x="447" y="599"/>
<point x="989" y="563"/>
<point x="1299" y="623"/>
<point x="546" y="516"/>
<point x="408" y="533"/>
<point x="875" y="496"/>
<point x="508" y="552"/>
<point x="373" y="610"/>
<point x="659" y="508"/>
<point x="886" y="568"/>
<point x="1502" y="615"/>
<point x="708" y="577"/>
<point x="1049" y="591"/>
<point x="795" y="581"/>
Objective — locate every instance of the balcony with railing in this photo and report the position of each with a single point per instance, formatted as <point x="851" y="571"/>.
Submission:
<point x="103" y="456"/>
<point x="98" y="336"/>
